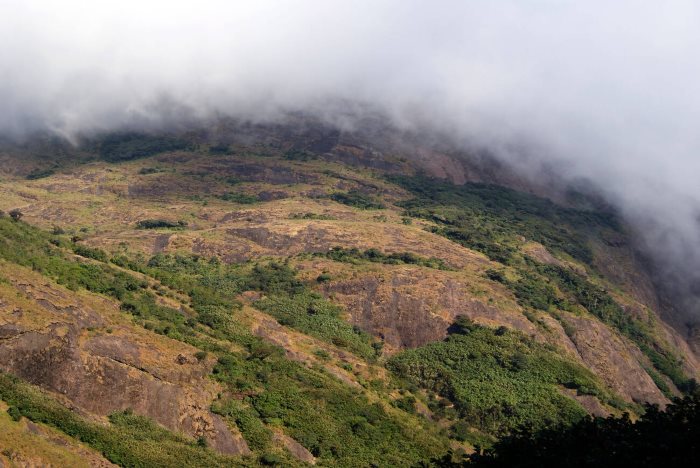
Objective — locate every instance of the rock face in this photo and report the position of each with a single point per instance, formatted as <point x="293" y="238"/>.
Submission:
<point x="409" y="306"/>
<point x="613" y="360"/>
<point x="61" y="343"/>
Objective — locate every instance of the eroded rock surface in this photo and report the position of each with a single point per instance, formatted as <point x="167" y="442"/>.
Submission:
<point x="58" y="341"/>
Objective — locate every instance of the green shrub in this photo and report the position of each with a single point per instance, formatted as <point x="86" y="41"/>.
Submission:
<point x="160" y="224"/>
<point x="14" y="413"/>
<point x="491" y="218"/>
<point x="88" y="252"/>
<point x="358" y="199"/>
<point x="323" y="278"/>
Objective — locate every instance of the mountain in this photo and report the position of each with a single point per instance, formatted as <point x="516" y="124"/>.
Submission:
<point x="296" y="293"/>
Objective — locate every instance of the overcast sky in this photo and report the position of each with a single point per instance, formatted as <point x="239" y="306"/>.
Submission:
<point x="608" y="90"/>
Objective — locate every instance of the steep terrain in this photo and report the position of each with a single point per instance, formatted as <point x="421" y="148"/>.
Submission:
<point x="302" y="295"/>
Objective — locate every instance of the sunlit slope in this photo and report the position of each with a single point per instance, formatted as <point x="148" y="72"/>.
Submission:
<point x="268" y="304"/>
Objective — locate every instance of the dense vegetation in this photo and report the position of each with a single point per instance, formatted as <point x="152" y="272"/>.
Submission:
<point x="658" y="438"/>
<point x="498" y="379"/>
<point x="287" y="299"/>
<point x="40" y="174"/>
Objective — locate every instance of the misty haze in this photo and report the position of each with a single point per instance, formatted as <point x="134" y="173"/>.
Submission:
<point x="369" y="233"/>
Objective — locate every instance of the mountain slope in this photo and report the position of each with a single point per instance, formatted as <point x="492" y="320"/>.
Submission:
<point x="302" y="297"/>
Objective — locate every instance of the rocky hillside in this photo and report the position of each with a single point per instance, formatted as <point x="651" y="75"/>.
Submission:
<point x="300" y="295"/>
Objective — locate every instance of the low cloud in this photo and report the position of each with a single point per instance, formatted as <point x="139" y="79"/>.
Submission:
<point x="606" y="91"/>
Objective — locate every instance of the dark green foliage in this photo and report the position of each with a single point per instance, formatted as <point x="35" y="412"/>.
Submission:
<point x="211" y="285"/>
<point x="220" y="149"/>
<point x="323" y="278"/>
<point x="406" y="403"/>
<point x="14" y="413"/>
<point x="118" y="147"/>
<point x="658" y="438"/>
<point x="130" y="440"/>
<point x="31" y="247"/>
<point x="125" y="262"/>
<point x="40" y="174"/>
<point x="274" y="278"/>
<point x="489" y="218"/>
<point x="311" y="216"/>
<point x="354" y="255"/>
<point x="533" y="291"/>
<point x="335" y="422"/>
<point x="89" y="252"/>
<point x="160" y="224"/>
<point x="498" y="379"/>
<point x="299" y="155"/>
<point x="149" y="170"/>
<point x="358" y="200"/>
<point x="239" y="197"/>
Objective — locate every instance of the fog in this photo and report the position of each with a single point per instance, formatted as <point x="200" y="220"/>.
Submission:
<point x="606" y="91"/>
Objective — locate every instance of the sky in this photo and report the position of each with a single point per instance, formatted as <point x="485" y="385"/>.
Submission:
<point x="604" y="90"/>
